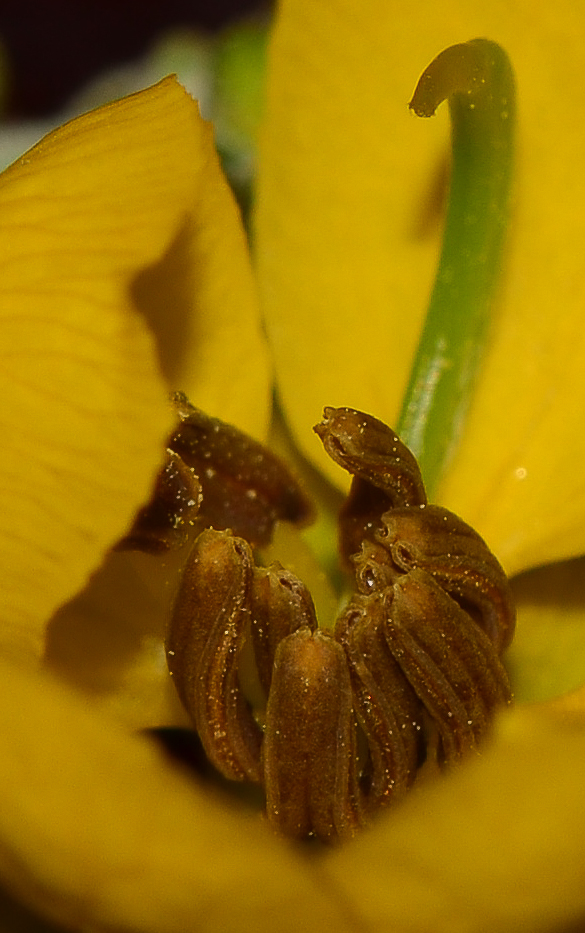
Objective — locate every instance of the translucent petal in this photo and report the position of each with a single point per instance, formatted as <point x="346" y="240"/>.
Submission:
<point x="348" y="231"/>
<point x="83" y="410"/>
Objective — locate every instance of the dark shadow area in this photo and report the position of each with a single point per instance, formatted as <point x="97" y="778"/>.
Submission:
<point x="430" y="204"/>
<point x="551" y="585"/>
<point x="16" y="918"/>
<point x="165" y="294"/>
<point x="55" y="46"/>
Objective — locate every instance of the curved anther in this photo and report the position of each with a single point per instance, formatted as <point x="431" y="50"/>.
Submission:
<point x="385" y="473"/>
<point x="451" y="663"/>
<point x="385" y="704"/>
<point x="309" y="748"/>
<point x="246" y="487"/>
<point x="367" y="448"/>
<point x="204" y="640"/>
<point x="439" y="542"/>
<point x="280" y="605"/>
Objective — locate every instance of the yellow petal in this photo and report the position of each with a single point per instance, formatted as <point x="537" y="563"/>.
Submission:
<point x="98" y="831"/>
<point x="347" y="241"/>
<point x="571" y="706"/>
<point x="83" y="410"/>
<point x="497" y="845"/>
<point x="345" y="256"/>
<point x="547" y="656"/>
<point x="202" y="302"/>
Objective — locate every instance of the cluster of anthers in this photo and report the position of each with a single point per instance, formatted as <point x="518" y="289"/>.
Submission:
<point x="411" y="670"/>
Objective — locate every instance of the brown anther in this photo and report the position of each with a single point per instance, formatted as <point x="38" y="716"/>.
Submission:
<point x="166" y="521"/>
<point x="459" y="560"/>
<point x="280" y="605"/>
<point x="370" y="450"/>
<point x="373" y="567"/>
<point x="246" y="487"/>
<point x="385" y="704"/>
<point x="205" y="638"/>
<point x="309" y="746"/>
<point x="450" y="662"/>
<point x="385" y="473"/>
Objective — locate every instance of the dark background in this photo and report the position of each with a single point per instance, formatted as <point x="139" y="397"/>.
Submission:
<point x="55" y="46"/>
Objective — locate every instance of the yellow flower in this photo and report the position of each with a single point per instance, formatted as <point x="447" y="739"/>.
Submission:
<point x="125" y="273"/>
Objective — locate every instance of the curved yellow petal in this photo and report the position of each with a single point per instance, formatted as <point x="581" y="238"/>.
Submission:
<point x="496" y="845"/>
<point x="83" y="410"/>
<point x="202" y="302"/>
<point x="98" y="831"/>
<point x="348" y="232"/>
<point x="547" y="657"/>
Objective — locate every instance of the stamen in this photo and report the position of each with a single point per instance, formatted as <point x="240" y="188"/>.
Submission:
<point x="344" y="718"/>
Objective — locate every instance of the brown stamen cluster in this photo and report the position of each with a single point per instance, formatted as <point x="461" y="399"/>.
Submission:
<point x="411" y="668"/>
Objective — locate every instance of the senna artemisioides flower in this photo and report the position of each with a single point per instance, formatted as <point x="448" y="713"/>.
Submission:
<point x="126" y="274"/>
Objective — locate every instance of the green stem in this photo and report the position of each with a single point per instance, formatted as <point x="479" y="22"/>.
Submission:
<point x="476" y="77"/>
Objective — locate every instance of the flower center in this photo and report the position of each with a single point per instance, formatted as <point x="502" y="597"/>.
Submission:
<point x="410" y="672"/>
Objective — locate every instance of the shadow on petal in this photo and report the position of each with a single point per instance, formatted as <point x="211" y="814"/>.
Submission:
<point x="108" y="640"/>
<point x="547" y="657"/>
<point x="164" y="294"/>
